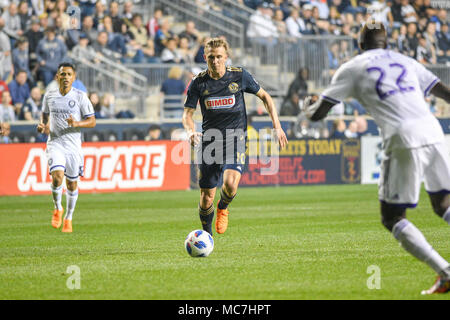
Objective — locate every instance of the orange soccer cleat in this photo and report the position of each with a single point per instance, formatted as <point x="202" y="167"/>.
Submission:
<point x="57" y="218"/>
<point x="440" y="286"/>
<point x="67" y="226"/>
<point x="222" y="220"/>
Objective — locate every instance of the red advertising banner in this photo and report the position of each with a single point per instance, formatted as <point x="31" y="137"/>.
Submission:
<point x="108" y="167"/>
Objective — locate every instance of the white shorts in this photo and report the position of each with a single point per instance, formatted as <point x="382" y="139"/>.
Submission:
<point x="70" y="161"/>
<point x="403" y="170"/>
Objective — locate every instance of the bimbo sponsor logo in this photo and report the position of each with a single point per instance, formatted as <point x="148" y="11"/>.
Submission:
<point x="106" y="168"/>
<point x="220" y="102"/>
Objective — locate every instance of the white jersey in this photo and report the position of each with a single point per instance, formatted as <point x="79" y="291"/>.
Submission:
<point x="392" y="88"/>
<point x="76" y="104"/>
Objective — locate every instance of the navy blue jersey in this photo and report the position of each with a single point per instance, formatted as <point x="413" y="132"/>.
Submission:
<point x="222" y="101"/>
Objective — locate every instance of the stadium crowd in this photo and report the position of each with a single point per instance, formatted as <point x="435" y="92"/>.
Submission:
<point x="35" y="36"/>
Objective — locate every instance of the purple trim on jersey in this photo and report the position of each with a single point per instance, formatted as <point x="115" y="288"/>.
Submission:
<point x="400" y="205"/>
<point x="432" y="84"/>
<point x="71" y="177"/>
<point x="443" y="191"/>
<point x="330" y="99"/>
<point x="51" y="168"/>
<point x="88" y="115"/>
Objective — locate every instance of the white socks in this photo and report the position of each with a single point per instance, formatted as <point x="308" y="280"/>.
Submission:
<point x="57" y="196"/>
<point x="446" y="215"/>
<point x="71" y="197"/>
<point x="413" y="241"/>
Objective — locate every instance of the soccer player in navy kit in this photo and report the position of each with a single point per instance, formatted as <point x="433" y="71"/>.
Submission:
<point x="220" y="90"/>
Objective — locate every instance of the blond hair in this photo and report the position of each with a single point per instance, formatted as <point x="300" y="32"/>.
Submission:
<point x="218" y="42"/>
<point x="175" y="72"/>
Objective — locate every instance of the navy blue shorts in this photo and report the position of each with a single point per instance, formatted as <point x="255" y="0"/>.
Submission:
<point x="210" y="174"/>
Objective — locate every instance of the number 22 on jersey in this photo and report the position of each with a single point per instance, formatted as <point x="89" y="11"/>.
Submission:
<point x="385" y="78"/>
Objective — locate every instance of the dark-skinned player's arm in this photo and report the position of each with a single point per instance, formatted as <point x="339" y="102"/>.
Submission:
<point x="189" y="126"/>
<point x="440" y="90"/>
<point x="89" y="122"/>
<point x="316" y="108"/>
<point x="270" y="107"/>
<point x="43" y="126"/>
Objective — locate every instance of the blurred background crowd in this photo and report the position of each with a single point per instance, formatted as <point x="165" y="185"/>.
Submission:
<point x="37" y="35"/>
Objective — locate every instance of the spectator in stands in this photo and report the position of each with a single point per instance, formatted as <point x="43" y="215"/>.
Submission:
<point x="88" y="28"/>
<point x="138" y="30"/>
<point x="154" y="133"/>
<point x="443" y="36"/>
<point x="333" y="58"/>
<point x="21" y="58"/>
<point x="322" y="6"/>
<point x="425" y="53"/>
<point x="335" y="18"/>
<point x="153" y="24"/>
<point x="100" y="13"/>
<point x="424" y="8"/>
<point x="310" y="22"/>
<point x="200" y="55"/>
<point x="12" y="22"/>
<point x="107" y="105"/>
<point x="95" y="100"/>
<point x="393" y="41"/>
<point x="115" y="16"/>
<point x="87" y="7"/>
<point x="408" y="13"/>
<point x="338" y="129"/>
<point x="32" y="108"/>
<point x="171" y="54"/>
<point x="143" y="49"/>
<point x="6" y="63"/>
<point x="192" y="34"/>
<point x="5" y="131"/>
<point x="37" y="7"/>
<point x="380" y="11"/>
<point x="352" y="130"/>
<point x="84" y="51"/>
<point x="298" y="89"/>
<point x="411" y="39"/>
<point x="7" y="113"/>
<point x="279" y="23"/>
<point x="61" y="12"/>
<point x="19" y="89"/>
<point x="34" y="35"/>
<point x="3" y="87"/>
<point x="127" y="14"/>
<point x="361" y="126"/>
<point x="24" y="15"/>
<point x="261" y="29"/>
<point x="430" y="36"/>
<point x="43" y="21"/>
<point x="396" y="10"/>
<point x="295" y="24"/>
<point x="50" y="53"/>
<point x="116" y="41"/>
<point x="187" y="55"/>
<point x="402" y="42"/>
<point x="173" y="86"/>
<point x="162" y="35"/>
<point x="102" y="48"/>
<point x="440" y="18"/>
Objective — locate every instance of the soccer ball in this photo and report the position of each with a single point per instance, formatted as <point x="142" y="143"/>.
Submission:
<point x="199" y="243"/>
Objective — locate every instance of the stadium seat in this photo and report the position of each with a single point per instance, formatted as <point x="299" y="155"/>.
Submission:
<point x="17" y="137"/>
<point x="93" y="136"/>
<point x="133" y="135"/>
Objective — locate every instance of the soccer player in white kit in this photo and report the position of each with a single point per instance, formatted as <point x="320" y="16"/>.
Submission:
<point x="65" y="111"/>
<point x="392" y="87"/>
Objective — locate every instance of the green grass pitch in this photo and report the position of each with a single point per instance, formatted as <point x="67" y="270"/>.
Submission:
<point x="282" y="243"/>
